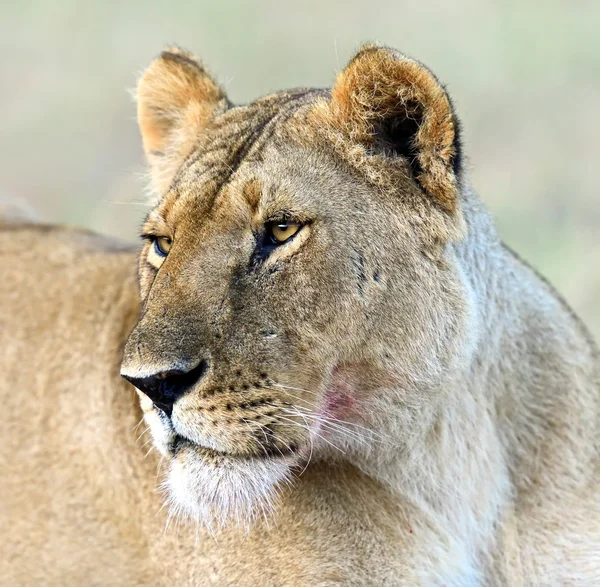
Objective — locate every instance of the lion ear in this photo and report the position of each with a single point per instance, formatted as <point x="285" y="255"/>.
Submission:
<point x="395" y="106"/>
<point x="176" y="98"/>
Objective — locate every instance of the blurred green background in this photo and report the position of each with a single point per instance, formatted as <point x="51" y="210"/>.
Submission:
<point x="525" y="77"/>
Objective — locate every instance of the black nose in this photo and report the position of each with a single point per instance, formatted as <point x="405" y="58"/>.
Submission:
<point x="166" y="387"/>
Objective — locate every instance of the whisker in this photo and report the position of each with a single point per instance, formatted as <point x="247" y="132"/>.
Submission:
<point x="310" y="431"/>
<point x="347" y="423"/>
<point x="142" y="434"/>
<point x="343" y="434"/>
<point x="368" y="430"/>
<point x="159" y="469"/>
<point x="262" y="446"/>
<point x="311" y="443"/>
<point x="138" y="424"/>
<point x="359" y="426"/>
<point x="296" y="397"/>
<point x="313" y="433"/>
<point x="147" y="441"/>
<point x="325" y="421"/>
<point x="310" y="439"/>
<point x="332" y="425"/>
<point x="296" y="389"/>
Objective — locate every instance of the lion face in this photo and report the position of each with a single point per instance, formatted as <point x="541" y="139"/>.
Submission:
<point x="298" y="289"/>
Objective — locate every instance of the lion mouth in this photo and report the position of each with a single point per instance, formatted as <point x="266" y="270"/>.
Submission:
<point x="180" y="443"/>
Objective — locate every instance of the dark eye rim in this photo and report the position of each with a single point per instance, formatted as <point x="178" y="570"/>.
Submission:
<point x="158" y="249"/>
<point x="266" y="242"/>
<point x="273" y="239"/>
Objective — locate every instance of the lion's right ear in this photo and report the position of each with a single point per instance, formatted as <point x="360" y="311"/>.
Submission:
<point x="176" y="98"/>
<point x="390" y="108"/>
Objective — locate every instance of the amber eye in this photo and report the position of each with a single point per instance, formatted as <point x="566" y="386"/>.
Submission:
<point x="162" y="245"/>
<point x="283" y="231"/>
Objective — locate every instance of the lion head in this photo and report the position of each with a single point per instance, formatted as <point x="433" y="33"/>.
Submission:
<point x="300" y="293"/>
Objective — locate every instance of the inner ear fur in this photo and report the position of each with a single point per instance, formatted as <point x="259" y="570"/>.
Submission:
<point x="394" y="106"/>
<point x="176" y="98"/>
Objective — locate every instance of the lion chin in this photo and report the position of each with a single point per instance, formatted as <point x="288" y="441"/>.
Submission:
<point x="219" y="490"/>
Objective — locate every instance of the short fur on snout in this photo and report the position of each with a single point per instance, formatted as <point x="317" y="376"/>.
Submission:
<point x="285" y="327"/>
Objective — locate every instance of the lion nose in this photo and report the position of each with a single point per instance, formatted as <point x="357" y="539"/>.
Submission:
<point x="166" y="387"/>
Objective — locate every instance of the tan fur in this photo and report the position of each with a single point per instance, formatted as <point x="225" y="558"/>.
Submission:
<point x="378" y="83"/>
<point x="390" y="398"/>
<point x="169" y="127"/>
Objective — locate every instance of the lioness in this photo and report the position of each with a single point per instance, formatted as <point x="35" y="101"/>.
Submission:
<point x="347" y="378"/>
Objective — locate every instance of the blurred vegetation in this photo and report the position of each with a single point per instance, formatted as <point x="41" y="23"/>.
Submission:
<point x="525" y="77"/>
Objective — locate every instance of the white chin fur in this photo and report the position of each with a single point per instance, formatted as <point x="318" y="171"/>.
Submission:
<point x="232" y="492"/>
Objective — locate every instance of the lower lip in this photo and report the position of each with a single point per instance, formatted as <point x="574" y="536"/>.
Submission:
<point x="179" y="442"/>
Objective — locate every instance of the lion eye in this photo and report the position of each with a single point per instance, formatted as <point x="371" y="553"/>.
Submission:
<point x="283" y="231"/>
<point x="162" y="245"/>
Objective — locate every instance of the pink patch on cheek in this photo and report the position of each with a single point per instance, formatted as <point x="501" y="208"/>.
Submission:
<point x="349" y="386"/>
<point x="340" y="401"/>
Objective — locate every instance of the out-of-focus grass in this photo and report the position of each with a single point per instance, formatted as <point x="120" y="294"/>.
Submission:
<point x="525" y="77"/>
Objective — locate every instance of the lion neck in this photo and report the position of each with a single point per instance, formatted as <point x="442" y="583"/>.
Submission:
<point x="485" y="428"/>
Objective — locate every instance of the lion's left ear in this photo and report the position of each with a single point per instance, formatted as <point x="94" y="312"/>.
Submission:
<point x="176" y="99"/>
<point x="394" y="106"/>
